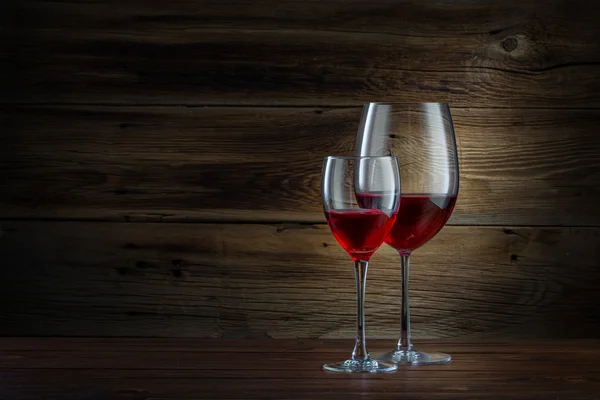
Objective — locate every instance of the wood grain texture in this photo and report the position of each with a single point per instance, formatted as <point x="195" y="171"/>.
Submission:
<point x="128" y="144"/>
<point x="290" y="281"/>
<point x="275" y="369"/>
<point x="335" y="52"/>
<point x="518" y="167"/>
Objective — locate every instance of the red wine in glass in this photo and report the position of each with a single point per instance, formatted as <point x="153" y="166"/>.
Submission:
<point x="421" y="136"/>
<point x="360" y="231"/>
<point x="420" y="218"/>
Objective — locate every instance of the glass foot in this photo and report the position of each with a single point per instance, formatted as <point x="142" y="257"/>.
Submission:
<point x="414" y="357"/>
<point x="360" y="366"/>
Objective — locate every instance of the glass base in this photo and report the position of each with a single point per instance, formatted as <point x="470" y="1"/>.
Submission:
<point x="414" y="357"/>
<point x="370" y="365"/>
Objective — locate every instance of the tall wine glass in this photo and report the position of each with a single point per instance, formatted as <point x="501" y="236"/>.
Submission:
<point x="421" y="135"/>
<point x="360" y="196"/>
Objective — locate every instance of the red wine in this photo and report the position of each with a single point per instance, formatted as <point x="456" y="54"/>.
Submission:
<point x="360" y="231"/>
<point x="420" y="218"/>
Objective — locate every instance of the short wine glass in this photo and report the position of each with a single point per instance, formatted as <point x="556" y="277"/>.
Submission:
<point x="360" y="196"/>
<point x="422" y="136"/>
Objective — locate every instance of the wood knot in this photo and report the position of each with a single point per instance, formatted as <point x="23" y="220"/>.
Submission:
<point x="510" y="43"/>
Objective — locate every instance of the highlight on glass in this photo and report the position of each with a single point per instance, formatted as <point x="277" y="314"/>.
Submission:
<point x="421" y="136"/>
<point x="360" y="197"/>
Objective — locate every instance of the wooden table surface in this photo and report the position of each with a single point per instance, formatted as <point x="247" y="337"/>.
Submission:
<point x="88" y="368"/>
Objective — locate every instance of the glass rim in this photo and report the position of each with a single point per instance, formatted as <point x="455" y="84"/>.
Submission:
<point x="357" y="157"/>
<point x="406" y="103"/>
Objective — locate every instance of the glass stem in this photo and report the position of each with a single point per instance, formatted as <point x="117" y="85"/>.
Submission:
<point x="404" y="344"/>
<point x="360" y="352"/>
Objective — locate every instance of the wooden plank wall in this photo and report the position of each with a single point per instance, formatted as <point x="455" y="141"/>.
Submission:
<point x="160" y="165"/>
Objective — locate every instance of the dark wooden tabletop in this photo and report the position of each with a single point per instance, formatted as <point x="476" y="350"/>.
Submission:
<point x="84" y="368"/>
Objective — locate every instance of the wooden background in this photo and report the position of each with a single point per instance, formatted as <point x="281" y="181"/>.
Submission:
<point x="160" y="165"/>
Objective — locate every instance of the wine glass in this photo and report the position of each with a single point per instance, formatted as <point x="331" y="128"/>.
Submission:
<point x="421" y="135"/>
<point x="360" y="196"/>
